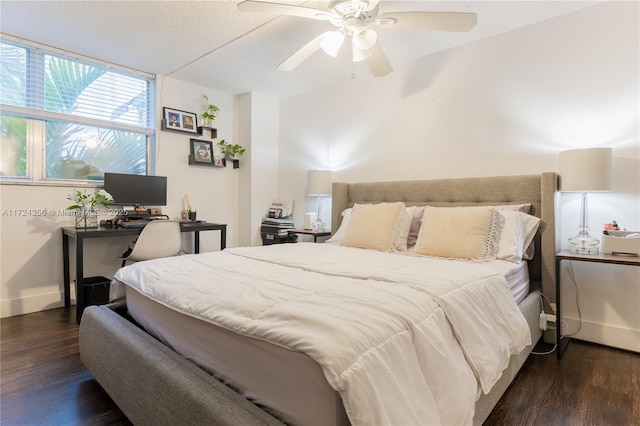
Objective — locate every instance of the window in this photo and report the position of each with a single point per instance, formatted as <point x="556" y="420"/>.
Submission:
<point x="68" y="119"/>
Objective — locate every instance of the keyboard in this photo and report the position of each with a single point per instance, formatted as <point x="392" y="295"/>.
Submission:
<point x="134" y="224"/>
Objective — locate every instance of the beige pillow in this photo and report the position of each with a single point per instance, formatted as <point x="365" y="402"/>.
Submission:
<point x="418" y="212"/>
<point x="375" y="227"/>
<point x="459" y="232"/>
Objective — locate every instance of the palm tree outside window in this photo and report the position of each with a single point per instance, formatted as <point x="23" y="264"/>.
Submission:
<point x="86" y="118"/>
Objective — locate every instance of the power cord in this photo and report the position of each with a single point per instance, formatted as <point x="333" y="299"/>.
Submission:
<point x="575" y="286"/>
<point x="544" y="298"/>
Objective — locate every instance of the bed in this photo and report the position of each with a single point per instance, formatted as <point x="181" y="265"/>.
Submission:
<point x="136" y="365"/>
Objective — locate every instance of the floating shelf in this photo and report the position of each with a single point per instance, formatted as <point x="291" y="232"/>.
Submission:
<point x="193" y="162"/>
<point x="214" y="132"/>
<point x="197" y="132"/>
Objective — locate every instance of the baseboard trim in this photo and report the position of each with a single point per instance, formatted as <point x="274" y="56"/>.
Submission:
<point x="27" y="305"/>
<point x="604" y="334"/>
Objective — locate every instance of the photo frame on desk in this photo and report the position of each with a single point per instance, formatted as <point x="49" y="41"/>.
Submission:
<point x="179" y="121"/>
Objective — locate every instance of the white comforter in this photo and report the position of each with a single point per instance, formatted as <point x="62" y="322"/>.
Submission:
<point x="403" y="339"/>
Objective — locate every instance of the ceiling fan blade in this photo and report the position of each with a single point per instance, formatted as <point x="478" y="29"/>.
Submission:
<point x="284" y="9"/>
<point x="440" y="21"/>
<point x="378" y="63"/>
<point x="302" y="54"/>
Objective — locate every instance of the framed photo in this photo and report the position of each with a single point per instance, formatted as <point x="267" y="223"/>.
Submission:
<point x="202" y="152"/>
<point x="218" y="157"/>
<point x="180" y="121"/>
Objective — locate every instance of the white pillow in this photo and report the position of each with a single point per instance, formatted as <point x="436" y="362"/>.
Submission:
<point x="339" y="235"/>
<point x="459" y="232"/>
<point x="380" y="227"/>
<point x="518" y="230"/>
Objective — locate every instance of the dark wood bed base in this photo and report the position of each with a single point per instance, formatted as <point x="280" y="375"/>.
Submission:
<point x="153" y="385"/>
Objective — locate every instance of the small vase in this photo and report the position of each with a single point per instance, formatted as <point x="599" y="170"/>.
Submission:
<point x="86" y="218"/>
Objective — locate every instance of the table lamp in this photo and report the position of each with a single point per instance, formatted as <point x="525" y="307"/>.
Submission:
<point x="585" y="170"/>
<point x="319" y="185"/>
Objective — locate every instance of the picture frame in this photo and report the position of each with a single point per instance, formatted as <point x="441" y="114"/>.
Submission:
<point x="218" y="158"/>
<point x="179" y="121"/>
<point x="201" y="152"/>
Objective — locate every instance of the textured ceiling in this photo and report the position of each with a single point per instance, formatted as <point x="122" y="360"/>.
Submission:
<point x="212" y="44"/>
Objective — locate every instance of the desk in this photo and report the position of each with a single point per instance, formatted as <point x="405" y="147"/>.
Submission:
<point x="80" y="234"/>
<point x="579" y="257"/>
<point x="315" y="234"/>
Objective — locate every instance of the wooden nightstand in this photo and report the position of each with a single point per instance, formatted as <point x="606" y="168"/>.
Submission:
<point x="578" y="257"/>
<point x="315" y="234"/>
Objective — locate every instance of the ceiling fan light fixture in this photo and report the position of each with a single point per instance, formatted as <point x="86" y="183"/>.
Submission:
<point x="364" y="38"/>
<point x="360" y="55"/>
<point x="331" y="42"/>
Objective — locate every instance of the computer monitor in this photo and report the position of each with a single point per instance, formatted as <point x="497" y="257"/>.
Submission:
<point x="136" y="190"/>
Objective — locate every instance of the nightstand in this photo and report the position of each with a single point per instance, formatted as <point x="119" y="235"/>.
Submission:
<point x="578" y="257"/>
<point x="315" y="234"/>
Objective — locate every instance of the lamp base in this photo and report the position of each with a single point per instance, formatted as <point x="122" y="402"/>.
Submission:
<point x="583" y="249"/>
<point x="318" y="225"/>
<point x="583" y="243"/>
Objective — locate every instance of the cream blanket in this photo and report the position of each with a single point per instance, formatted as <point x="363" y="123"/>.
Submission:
<point x="403" y="339"/>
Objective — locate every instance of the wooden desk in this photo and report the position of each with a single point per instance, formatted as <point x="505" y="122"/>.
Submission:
<point x="80" y="234"/>
<point x="315" y="234"/>
<point x="596" y="258"/>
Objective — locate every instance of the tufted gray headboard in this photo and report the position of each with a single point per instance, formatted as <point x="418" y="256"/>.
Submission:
<point x="539" y="190"/>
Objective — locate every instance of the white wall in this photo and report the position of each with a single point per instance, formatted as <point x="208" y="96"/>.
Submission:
<point x="505" y="105"/>
<point x="258" y="131"/>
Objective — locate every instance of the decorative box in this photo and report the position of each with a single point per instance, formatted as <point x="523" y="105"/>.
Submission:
<point x="616" y="243"/>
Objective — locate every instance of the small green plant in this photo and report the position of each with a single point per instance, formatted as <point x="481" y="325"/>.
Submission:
<point x="231" y="150"/>
<point x="83" y="200"/>
<point x="210" y="110"/>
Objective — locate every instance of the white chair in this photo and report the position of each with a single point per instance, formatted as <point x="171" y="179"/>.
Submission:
<point x="159" y="238"/>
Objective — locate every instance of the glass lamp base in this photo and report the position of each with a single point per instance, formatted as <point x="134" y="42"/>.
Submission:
<point x="583" y="249"/>
<point x="583" y="243"/>
<point x="318" y="225"/>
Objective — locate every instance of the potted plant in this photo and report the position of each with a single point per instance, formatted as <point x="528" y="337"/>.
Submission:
<point x="210" y="112"/>
<point x="84" y="204"/>
<point x="232" y="151"/>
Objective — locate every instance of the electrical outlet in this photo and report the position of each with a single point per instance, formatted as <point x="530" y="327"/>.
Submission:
<point x="543" y="321"/>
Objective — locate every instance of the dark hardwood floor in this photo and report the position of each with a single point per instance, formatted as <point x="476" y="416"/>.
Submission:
<point x="43" y="382"/>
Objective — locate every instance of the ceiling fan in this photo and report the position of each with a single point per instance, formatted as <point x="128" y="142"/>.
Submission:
<point x="352" y="19"/>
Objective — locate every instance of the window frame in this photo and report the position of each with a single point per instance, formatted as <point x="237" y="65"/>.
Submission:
<point x="35" y="173"/>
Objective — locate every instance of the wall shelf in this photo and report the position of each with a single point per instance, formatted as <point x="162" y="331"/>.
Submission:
<point x="214" y="132"/>
<point x="193" y="162"/>
<point x="199" y="131"/>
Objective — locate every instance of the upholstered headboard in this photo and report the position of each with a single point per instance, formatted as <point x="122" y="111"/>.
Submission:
<point x="539" y="190"/>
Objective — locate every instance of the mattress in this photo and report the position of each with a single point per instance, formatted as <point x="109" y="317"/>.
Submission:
<point x="288" y="384"/>
<point x="516" y="274"/>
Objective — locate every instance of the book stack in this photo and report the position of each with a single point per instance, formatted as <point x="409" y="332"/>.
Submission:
<point x="274" y="231"/>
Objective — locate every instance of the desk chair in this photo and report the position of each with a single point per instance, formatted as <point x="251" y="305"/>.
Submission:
<point x="159" y="238"/>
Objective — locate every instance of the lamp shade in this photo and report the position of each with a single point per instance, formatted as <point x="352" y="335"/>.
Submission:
<point x="331" y="42"/>
<point x="585" y="170"/>
<point x="319" y="182"/>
